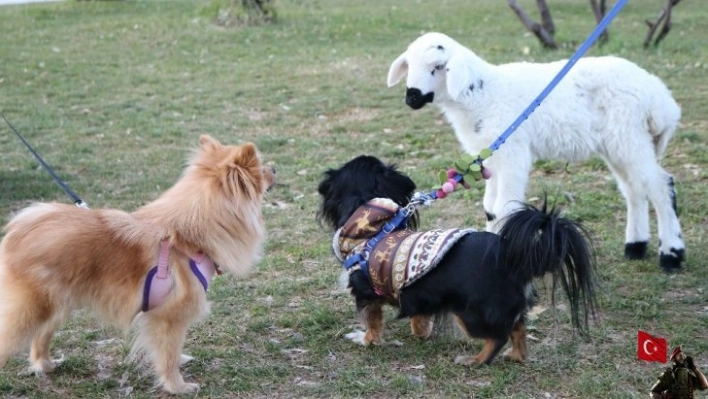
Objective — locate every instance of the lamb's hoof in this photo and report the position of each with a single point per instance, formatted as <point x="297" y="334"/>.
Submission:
<point x="635" y="250"/>
<point x="671" y="262"/>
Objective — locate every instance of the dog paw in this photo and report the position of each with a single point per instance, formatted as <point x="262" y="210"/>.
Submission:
<point x="467" y="360"/>
<point x="357" y="337"/>
<point x="184" y="359"/>
<point x="41" y="367"/>
<point x="514" y="356"/>
<point x="184" y="387"/>
<point x="464" y="360"/>
<point x="365" y="338"/>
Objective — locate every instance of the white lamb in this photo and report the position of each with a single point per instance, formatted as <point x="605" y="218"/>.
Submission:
<point x="605" y="105"/>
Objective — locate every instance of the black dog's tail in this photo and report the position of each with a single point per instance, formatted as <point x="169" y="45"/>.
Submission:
<point x="536" y="242"/>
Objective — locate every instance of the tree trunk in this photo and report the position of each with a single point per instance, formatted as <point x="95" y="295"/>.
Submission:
<point x="263" y="9"/>
<point x="244" y="12"/>
<point x="546" y="20"/>
<point x="600" y="9"/>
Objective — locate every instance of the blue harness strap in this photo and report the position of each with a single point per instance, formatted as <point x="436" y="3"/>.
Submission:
<point x="399" y="221"/>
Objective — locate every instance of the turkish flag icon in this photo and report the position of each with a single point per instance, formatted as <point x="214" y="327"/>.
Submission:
<point x="651" y="349"/>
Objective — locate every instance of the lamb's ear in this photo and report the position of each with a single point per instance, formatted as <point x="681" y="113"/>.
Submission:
<point x="458" y="76"/>
<point x="398" y="70"/>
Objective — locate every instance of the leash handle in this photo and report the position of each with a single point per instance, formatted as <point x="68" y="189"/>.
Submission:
<point x="554" y="82"/>
<point x="78" y="201"/>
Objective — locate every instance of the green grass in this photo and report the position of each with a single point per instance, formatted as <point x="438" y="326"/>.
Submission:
<point x="113" y="94"/>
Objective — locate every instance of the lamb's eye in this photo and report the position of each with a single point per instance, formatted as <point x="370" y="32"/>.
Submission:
<point x="438" y="67"/>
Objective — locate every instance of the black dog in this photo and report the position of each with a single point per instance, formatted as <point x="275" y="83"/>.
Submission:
<point x="485" y="280"/>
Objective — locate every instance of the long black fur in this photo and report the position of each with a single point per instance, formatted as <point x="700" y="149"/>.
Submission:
<point x="486" y="279"/>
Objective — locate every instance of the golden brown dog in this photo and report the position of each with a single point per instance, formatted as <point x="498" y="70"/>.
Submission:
<point x="55" y="258"/>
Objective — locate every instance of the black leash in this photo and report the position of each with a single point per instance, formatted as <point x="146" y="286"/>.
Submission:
<point x="78" y="201"/>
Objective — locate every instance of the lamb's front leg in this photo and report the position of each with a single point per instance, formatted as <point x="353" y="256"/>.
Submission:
<point x="506" y="189"/>
<point x="372" y="315"/>
<point x="490" y="195"/>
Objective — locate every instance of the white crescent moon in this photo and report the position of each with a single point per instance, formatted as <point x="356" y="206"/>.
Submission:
<point x="646" y="350"/>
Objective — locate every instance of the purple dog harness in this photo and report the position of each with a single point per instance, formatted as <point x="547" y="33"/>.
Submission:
<point x="159" y="282"/>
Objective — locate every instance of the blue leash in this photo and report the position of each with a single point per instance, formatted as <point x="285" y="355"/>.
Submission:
<point x="78" y="201"/>
<point x="571" y="61"/>
<point x="475" y="165"/>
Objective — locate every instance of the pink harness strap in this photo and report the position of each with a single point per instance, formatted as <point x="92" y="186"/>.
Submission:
<point x="162" y="260"/>
<point x="159" y="281"/>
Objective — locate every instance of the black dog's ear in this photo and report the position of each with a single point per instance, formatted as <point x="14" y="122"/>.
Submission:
<point x="358" y="181"/>
<point x="395" y="185"/>
<point x="326" y="183"/>
<point x="399" y="188"/>
<point x="340" y="190"/>
<point x="404" y="182"/>
<point x="329" y="211"/>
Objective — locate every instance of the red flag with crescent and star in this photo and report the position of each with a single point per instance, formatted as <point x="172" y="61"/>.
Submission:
<point x="650" y="348"/>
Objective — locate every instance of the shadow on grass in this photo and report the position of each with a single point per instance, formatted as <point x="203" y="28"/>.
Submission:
<point x="27" y="186"/>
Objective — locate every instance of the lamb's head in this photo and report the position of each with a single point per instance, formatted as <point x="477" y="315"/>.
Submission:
<point x="435" y="68"/>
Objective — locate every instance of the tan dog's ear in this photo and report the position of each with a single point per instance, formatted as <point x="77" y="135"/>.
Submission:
<point x="398" y="70"/>
<point x="248" y="150"/>
<point x="458" y="77"/>
<point x="247" y="155"/>
<point x="206" y="142"/>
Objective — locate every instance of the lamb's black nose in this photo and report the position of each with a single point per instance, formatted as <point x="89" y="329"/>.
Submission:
<point x="415" y="98"/>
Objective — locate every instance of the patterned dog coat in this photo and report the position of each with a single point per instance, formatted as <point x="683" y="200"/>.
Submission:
<point x="401" y="257"/>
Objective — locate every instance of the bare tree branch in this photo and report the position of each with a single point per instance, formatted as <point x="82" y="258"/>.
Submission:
<point x="600" y="9"/>
<point x="663" y="20"/>
<point x="546" y="19"/>
<point x="539" y="30"/>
